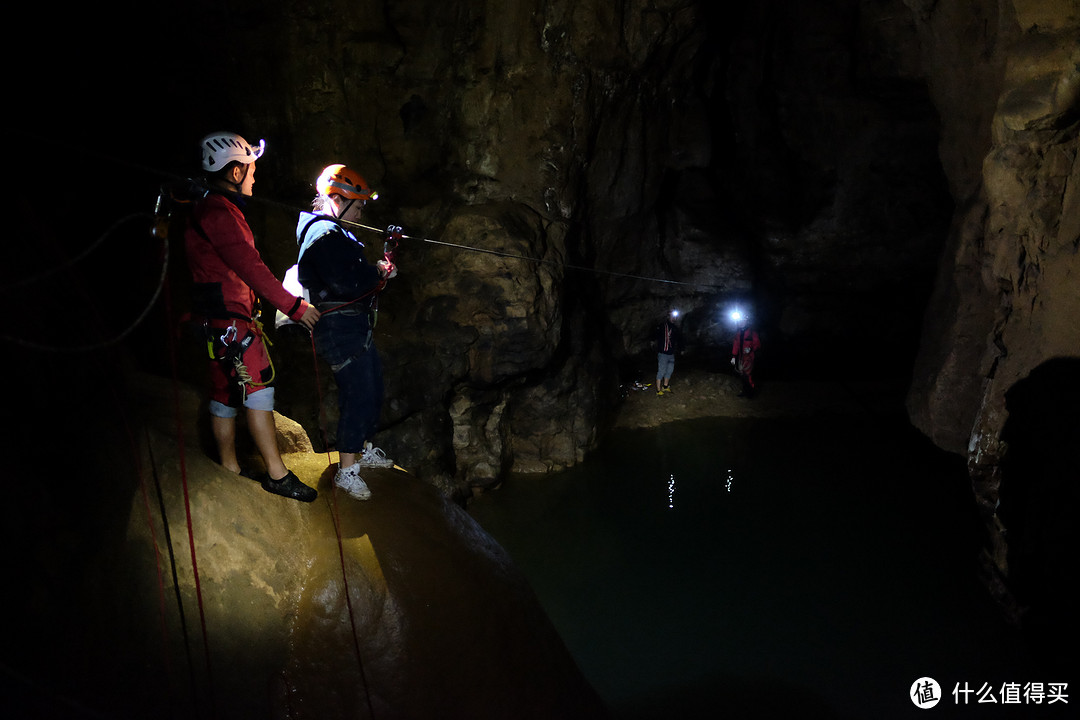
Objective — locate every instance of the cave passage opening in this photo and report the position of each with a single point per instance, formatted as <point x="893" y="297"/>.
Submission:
<point x="1039" y="494"/>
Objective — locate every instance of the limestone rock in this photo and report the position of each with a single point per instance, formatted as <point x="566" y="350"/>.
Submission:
<point x="1006" y="307"/>
<point x="400" y="605"/>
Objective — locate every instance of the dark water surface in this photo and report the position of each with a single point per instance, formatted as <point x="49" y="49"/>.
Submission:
<point x="766" y="568"/>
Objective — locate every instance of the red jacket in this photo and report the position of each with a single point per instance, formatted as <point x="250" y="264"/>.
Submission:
<point x="227" y="270"/>
<point x="746" y="344"/>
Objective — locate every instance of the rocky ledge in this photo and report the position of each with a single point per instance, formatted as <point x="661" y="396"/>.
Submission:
<point x="701" y="394"/>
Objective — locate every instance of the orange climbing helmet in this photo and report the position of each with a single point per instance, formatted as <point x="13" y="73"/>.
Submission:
<point x="340" y="180"/>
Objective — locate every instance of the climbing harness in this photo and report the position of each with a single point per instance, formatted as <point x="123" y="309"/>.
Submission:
<point x="233" y="350"/>
<point x="178" y="201"/>
<point x="390" y="246"/>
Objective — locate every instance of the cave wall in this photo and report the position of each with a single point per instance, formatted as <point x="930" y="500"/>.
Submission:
<point x="832" y="163"/>
<point x="1006" y="301"/>
<point x="612" y="160"/>
<point x="741" y="153"/>
<point x="1016" y="226"/>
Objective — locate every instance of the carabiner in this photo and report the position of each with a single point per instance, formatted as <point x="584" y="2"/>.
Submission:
<point x="229" y="335"/>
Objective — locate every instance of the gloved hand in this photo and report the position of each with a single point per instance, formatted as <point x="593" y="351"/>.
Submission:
<point x="732" y="361"/>
<point x="390" y="245"/>
<point x="393" y="237"/>
<point x="387" y="268"/>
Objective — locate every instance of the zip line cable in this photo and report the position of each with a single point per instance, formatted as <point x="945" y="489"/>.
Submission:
<point x="514" y="256"/>
<point x="122" y="335"/>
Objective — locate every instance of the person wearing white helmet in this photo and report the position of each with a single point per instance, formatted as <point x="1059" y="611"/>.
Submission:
<point x="228" y="276"/>
<point x="344" y="286"/>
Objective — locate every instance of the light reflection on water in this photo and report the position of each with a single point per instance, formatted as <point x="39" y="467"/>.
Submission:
<point x="845" y="538"/>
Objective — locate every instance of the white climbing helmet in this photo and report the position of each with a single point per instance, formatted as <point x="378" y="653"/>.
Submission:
<point x="221" y="148"/>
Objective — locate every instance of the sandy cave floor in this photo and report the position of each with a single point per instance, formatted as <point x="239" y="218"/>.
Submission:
<point x="699" y="394"/>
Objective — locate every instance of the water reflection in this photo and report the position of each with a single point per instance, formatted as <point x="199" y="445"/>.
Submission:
<point x="671" y="487"/>
<point x="795" y="582"/>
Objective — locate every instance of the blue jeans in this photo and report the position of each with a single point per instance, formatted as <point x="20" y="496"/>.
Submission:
<point x="345" y="342"/>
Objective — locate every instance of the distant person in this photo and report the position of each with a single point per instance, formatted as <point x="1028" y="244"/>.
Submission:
<point x="744" y="352"/>
<point x="228" y="273"/>
<point x="668" y="344"/>
<point x="341" y="282"/>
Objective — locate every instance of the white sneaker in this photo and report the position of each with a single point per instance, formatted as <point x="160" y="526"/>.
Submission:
<point x="348" y="479"/>
<point x="374" y="457"/>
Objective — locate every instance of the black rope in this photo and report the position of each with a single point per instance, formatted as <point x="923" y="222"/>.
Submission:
<point x="120" y="337"/>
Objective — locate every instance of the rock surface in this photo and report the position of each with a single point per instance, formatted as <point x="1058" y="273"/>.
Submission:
<point x="1006" y="302"/>
<point x="569" y="171"/>
<point x="398" y="607"/>
<point x="701" y="394"/>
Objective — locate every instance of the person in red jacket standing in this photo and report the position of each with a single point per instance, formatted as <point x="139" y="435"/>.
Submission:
<point x="743" y="353"/>
<point x="228" y="275"/>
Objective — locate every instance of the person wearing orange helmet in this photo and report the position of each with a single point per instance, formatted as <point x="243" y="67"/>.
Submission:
<point x="228" y="275"/>
<point x="343" y="285"/>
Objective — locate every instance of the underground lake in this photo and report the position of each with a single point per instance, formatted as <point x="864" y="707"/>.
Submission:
<point x="812" y="567"/>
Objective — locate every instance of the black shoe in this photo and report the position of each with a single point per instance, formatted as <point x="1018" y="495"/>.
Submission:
<point x="290" y="487"/>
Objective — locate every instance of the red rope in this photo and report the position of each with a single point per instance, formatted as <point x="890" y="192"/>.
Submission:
<point x="337" y="531"/>
<point x="373" y="292"/>
<point x="187" y="502"/>
<point x="157" y="562"/>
